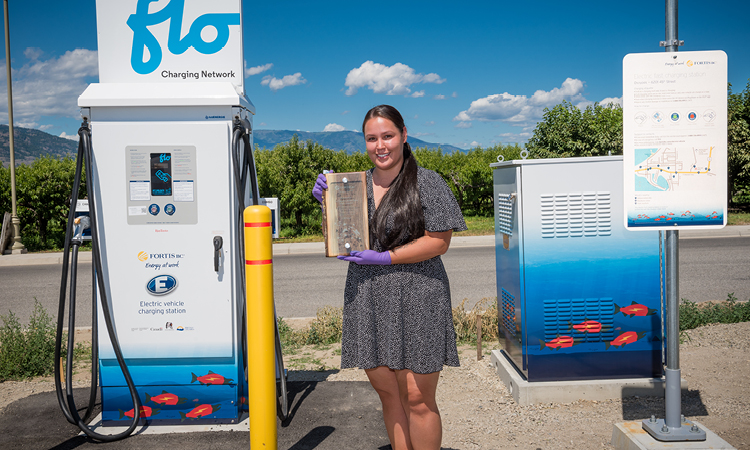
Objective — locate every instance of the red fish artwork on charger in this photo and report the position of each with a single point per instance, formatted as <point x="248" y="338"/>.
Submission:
<point x="165" y="398"/>
<point x="146" y="411"/>
<point x="211" y="378"/>
<point x="200" y="411"/>
<point x="635" y="309"/>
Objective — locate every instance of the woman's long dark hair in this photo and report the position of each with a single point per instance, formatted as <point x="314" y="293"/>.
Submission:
<point x="401" y="202"/>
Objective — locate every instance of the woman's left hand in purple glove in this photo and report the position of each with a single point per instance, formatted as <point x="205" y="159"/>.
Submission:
<point x="368" y="257"/>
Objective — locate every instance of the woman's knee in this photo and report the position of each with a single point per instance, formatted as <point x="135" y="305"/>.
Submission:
<point x="418" y="393"/>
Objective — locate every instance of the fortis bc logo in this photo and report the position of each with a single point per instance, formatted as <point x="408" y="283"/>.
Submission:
<point x="143" y="39"/>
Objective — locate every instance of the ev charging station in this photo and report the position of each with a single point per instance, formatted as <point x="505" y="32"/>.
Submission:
<point x="170" y="184"/>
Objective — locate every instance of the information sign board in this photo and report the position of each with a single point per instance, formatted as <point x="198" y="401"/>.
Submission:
<point x="675" y="140"/>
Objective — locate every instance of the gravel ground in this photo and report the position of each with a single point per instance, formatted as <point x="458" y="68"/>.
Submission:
<point x="479" y="413"/>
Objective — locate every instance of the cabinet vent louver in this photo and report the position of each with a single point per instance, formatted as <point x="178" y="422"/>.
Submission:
<point x="576" y="214"/>
<point x="560" y="317"/>
<point x="505" y="214"/>
<point x="509" y="312"/>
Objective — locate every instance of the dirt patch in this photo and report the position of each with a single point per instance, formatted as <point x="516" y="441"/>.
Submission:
<point x="479" y="413"/>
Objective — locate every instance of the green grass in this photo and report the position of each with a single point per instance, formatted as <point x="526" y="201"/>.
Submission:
<point x="694" y="315"/>
<point x="27" y="352"/>
<point x="740" y="218"/>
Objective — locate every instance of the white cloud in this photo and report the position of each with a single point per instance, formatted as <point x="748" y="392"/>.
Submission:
<point x="421" y="134"/>
<point x="608" y="100"/>
<point x="72" y="137"/>
<point x="520" y="108"/>
<point x="289" y="80"/>
<point x="454" y="94"/>
<point x="430" y="123"/>
<point x="345" y="112"/>
<point x="475" y="144"/>
<point x="439" y="97"/>
<point x="45" y="127"/>
<point x="418" y="94"/>
<point x="463" y="125"/>
<point x="33" y="53"/>
<point x="389" y="80"/>
<point x="334" y="127"/>
<point x="257" y="69"/>
<point x="515" y="137"/>
<point x="48" y="87"/>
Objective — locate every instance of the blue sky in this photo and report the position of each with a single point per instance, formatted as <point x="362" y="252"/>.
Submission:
<point x="461" y="73"/>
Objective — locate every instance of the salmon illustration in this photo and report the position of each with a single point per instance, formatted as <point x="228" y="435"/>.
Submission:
<point x="635" y="309"/>
<point x="627" y="337"/>
<point x="211" y="378"/>
<point x="199" y="411"/>
<point x="146" y="411"/>
<point x="589" y="326"/>
<point x="165" y="398"/>
<point x="558" y="343"/>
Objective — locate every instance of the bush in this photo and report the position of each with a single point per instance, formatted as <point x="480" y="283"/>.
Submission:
<point x="26" y="353"/>
<point x="694" y="315"/>
<point x="465" y="322"/>
<point x="324" y="329"/>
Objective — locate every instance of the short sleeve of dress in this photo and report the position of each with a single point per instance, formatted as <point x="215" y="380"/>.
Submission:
<point x="441" y="211"/>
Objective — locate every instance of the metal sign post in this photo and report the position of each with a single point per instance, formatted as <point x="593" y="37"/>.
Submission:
<point x="675" y="151"/>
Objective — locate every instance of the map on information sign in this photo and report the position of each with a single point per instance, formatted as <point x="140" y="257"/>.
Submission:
<point x="674" y="140"/>
<point x="675" y="169"/>
<point x="670" y="169"/>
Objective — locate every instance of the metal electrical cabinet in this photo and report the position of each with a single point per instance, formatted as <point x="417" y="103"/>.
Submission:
<point x="578" y="295"/>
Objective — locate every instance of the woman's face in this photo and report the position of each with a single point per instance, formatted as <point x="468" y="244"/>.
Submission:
<point x="385" y="143"/>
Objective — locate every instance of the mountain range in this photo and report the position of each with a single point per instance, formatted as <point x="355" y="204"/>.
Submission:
<point x="29" y="144"/>
<point x="350" y="141"/>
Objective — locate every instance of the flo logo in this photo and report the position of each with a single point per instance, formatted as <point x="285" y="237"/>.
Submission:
<point x="143" y="39"/>
<point x="142" y="256"/>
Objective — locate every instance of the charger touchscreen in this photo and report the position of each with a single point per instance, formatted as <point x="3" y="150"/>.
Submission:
<point x="161" y="174"/>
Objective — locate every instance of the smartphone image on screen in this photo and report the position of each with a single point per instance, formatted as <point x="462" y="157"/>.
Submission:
<point x="161" y="174"/>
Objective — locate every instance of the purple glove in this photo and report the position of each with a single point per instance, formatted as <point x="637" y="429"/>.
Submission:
<point x="320" y="184"/>
<point x="368" y="257"/>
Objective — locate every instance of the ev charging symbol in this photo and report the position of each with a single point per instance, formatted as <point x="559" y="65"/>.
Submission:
<point x="144" y="39"/>
<point x="161" y="284"/>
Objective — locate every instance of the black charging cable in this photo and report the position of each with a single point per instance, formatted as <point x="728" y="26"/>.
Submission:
<point x="66" y="400"/>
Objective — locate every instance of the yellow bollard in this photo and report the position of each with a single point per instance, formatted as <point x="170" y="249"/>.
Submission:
<point x="261" y="329"/>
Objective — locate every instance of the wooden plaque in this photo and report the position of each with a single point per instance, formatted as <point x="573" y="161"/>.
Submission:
<point x="345" y="224"/>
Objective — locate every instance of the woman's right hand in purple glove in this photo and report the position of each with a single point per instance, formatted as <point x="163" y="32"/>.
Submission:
<point x="320" y="185"/>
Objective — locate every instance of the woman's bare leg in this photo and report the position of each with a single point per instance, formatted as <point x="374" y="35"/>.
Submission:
<point x="418" y="400"/>
<point x="386" y="385"/>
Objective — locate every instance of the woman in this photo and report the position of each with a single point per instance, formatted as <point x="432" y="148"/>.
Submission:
<point x="398" y="324"/>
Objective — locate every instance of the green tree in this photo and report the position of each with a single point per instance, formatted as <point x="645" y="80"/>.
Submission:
<point x="468" y="174"/>
<point x="738" y="158"/>
<point x="43" y="190"/>
<point x="5" y="200"/>
<point x="567" y="131"/>
<point x="289" y="172"/>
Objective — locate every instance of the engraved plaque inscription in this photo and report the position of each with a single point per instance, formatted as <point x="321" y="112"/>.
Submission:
<point x="345" y="225"/>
